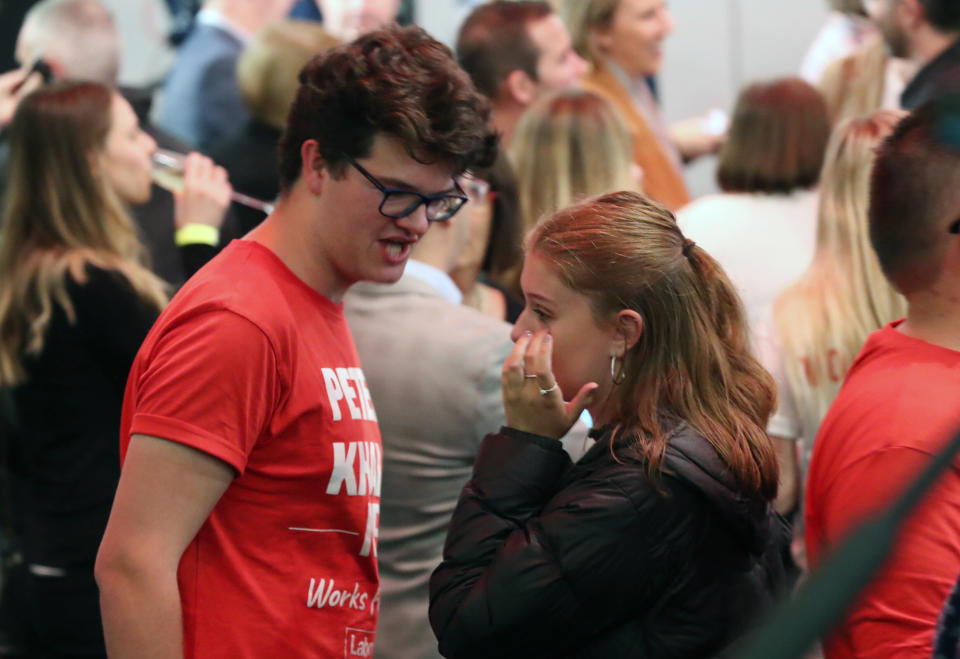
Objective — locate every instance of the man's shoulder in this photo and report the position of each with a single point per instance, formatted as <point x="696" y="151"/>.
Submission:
<point x="937" y="78"/>
<point x="247" y="280"/>
<point x="209" y="40"/>
<point x="388" y="321"/>
<point x="205" y="47"/>
<point x="899" y="393"/>
<point x="442" y="320"/>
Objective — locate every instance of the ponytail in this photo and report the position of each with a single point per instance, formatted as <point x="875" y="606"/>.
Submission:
<point x="693" y="359"/>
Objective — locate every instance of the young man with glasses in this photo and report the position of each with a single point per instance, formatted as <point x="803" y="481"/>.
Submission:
<point x="245" y="522"/>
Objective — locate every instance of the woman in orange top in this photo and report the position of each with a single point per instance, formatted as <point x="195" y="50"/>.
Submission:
<point x="623" y="39"/>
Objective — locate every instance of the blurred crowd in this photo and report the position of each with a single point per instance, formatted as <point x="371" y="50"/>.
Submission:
<point x="610" y="419"/>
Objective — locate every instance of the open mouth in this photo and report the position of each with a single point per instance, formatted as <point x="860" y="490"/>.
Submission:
<point x="395" y="252"/>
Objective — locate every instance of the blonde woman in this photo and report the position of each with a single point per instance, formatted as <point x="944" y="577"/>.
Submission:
<point x="568" y="147"/>
<point x="819" y="323"/>
<point x="75" y="303"/>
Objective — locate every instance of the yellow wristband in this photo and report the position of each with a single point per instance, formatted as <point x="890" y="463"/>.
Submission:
<point x="196" y="234"/>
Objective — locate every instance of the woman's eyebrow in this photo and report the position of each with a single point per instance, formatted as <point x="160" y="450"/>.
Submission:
<point x="536" y="297"/>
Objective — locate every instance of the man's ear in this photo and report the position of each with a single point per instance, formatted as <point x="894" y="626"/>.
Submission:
<point x="600" y="38"/>
<point x="57" y="69"/>
<point x="628" y="329"/>
<point x="520" y="87"/>
<point x="313" y="169"/>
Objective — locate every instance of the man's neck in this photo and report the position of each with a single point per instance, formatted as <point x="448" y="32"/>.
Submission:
<point x="930" y="44"/>
<point x="933" y="317"/>
<point x="505" y="117"/>
<point x="278" y="233"/>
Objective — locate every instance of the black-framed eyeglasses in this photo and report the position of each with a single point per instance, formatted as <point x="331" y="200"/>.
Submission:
<point x="400" y="202"/>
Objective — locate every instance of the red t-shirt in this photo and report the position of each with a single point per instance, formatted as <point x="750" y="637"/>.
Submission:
<point x="250" y="365"/>
<point x="897" y="407"/>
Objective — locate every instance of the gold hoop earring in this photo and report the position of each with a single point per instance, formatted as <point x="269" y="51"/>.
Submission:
<point x="618" y="375"/>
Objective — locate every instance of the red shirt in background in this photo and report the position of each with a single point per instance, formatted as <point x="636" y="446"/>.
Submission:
<point x="253" y="367"/>
<point x="899" y="404"/>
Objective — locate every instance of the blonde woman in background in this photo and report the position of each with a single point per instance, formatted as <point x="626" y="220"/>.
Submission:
<point x="819" y="323"/>
<point x="568" y="147"/>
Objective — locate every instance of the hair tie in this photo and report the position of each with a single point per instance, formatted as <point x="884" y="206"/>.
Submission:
<point x="687" y="246"/>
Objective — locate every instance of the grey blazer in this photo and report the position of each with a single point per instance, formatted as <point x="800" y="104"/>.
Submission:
<point x="433" y="369"/>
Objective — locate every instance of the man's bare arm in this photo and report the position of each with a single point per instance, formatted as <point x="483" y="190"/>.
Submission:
<point x="166" y="493"/>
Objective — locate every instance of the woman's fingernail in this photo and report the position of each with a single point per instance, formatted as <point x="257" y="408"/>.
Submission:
<point x="528" y="334"/>
<point x="548" y="338"/>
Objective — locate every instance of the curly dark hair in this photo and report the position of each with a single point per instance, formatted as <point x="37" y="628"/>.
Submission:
<point x="398" y="81"/>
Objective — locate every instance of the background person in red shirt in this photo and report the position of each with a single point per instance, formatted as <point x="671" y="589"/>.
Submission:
<point x="899" y="402"/>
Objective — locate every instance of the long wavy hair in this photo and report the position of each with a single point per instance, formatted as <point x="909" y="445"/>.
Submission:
<point x="693" y="360"/>
<point x="60" y="215"/>
<point x="853" y="85"/>
<point x="823" y="319"/>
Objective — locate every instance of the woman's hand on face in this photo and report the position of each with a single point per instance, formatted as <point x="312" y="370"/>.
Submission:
<point x="532" y="400"/>
<point x="205" y="195"/>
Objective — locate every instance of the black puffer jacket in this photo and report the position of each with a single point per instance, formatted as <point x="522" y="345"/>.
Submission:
<point x="545" y="558"/>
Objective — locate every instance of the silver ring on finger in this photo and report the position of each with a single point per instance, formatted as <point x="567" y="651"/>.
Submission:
<point x="544" y="392"/>
<point x="528" y="376"/>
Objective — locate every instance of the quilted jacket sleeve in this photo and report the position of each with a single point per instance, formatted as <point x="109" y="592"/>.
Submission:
<point x="532" y="571"/>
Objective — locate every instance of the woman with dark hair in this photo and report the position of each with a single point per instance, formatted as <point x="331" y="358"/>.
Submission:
<point x="75" y="303"/>
<point x="491" y="256"/>
<point x="762" y="227"/>
<point x="660" y="541"/>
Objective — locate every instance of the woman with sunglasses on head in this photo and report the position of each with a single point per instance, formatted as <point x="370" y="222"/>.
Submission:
<point x="661" y="540"/>
<point x="75" y="304"/>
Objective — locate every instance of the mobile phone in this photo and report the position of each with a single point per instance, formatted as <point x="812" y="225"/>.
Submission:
<point x="40" y="66"/>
